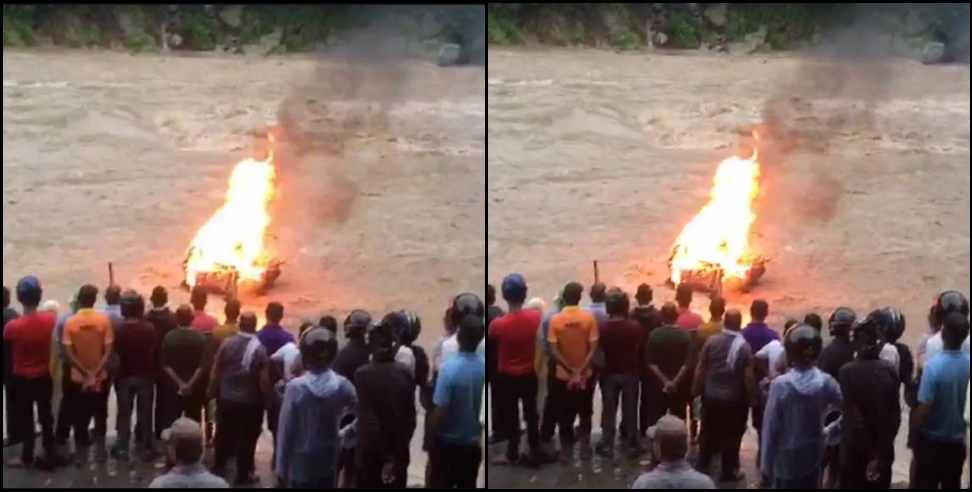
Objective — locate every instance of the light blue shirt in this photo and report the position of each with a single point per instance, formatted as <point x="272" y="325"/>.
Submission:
<point x="310" y="418"/>
<point x="460" y="392"/>
<point x="674" y="476"/>
<point x="599" y="311"/>
<point x="545" y="330"/>
<point x="189" y="477"/>
<point x="943" y="384"/>
<point x="793" y="433"/>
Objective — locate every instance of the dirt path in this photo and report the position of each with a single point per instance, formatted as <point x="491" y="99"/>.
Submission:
<point x="596" y="155"/>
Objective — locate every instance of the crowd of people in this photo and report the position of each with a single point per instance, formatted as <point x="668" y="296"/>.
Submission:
<point x="826" y="416"/>
<point x="339" y="416"/>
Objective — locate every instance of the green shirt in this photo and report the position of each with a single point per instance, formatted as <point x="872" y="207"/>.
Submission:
<point x="184" y="350"/>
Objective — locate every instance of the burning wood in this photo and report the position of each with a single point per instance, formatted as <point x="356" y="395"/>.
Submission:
<point x="713" y="248"/>
<point x="229" y="249"/>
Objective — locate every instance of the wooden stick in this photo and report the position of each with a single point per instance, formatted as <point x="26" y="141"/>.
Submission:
<point x="111" y="274"/>
<point x="597" y="273"/>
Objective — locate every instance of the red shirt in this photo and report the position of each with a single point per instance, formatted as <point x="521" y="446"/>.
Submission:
<point x="30" y="340"/>
<point x="515" y="336"/>
<point x="622" y="342"/>
<point x="687" y="320"/>
<point x="204" y="323"/>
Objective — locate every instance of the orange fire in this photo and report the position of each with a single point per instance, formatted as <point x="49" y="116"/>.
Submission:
<point x="233" y="238"/>
<point x="718" y="236"/>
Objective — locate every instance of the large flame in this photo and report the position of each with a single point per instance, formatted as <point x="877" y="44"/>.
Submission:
<point x="233" y="238"/>
<point x="718" y="236"/>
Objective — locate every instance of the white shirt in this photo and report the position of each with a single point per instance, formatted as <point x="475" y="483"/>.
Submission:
<point x="935" y="346"/>
<point x="450" y="349"/>
<point x="890" y="353"/>
<point x="288" y="354"/>
<point x="772" y="352"/>
<point x="406" y="356"/>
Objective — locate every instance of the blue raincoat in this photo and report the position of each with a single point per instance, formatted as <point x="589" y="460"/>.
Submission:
<point x="793" y="425"/>
<point x="307" y="440"/>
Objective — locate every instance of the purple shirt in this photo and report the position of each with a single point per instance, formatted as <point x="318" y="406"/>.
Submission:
<point x="274" y="337"/>
<point x="758" y="335"/>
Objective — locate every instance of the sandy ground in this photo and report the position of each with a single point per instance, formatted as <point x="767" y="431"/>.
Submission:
<point x="112" y="157"/>
<point x="600" y="156"/>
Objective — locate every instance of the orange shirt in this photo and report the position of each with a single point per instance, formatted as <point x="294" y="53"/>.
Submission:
<point x="573" y="332"/>
<point x="89" y="333"/>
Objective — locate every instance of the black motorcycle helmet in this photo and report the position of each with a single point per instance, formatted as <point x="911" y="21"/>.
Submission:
<point x="897" y="324"/>
<point x="890" y="323"/>
<point x="318" y="348"/>
<point x="842" y="321"/>
<point x="382" y="339"/>
<point x="412" y="328"/>
<point x="356" y="324"/>
<point x="803" y="345"/>
<point x="467" y="305"/>
<point x="867" y="338"/>
<point x="950" y="301"/>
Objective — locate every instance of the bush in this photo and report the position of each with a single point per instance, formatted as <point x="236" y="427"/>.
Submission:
<point x="684" y="33"/>
<point x="626" y="40"/>
<point x="501" y="29"/>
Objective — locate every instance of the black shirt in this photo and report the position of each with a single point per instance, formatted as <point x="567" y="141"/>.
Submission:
<point x="352" y="357"/>
<point x="838" y="353"/>
<point x="386" y="413"/>
<point x="872" y="408"/>
<point x="648" y="317"/>
<point x="492" y="353"/>
<point x="8" y="316"/>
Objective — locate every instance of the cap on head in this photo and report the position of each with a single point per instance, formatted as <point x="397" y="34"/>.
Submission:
<point x="514" y="288"/>
<point x="382" y="340"/>
<point x="29" y="291"/>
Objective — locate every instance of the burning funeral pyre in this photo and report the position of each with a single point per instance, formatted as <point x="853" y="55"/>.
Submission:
<point x="229" y="250"/>
<point x="713" y="249"/>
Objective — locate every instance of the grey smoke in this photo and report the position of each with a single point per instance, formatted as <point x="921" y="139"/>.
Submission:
<point x="835" y="93"/>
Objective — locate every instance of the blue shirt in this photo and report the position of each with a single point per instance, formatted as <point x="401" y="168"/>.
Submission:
<point x="599" y="311"/>
<point x="460" y="392"/>
<point x="274" y="338"/>
<point x="308" y="443"/>
<point x="793" y="432"/>
<point x="758" y="335"/>
<point x="545" y="329"/>
<point x="943" y="385"/>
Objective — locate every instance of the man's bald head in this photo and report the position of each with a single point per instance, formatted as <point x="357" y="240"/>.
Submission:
<point x="670" y="437"/>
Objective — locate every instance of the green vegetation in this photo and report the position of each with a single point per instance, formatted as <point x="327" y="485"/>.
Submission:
<point x="501" y="29"/>
<point x="684" y="32"/>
